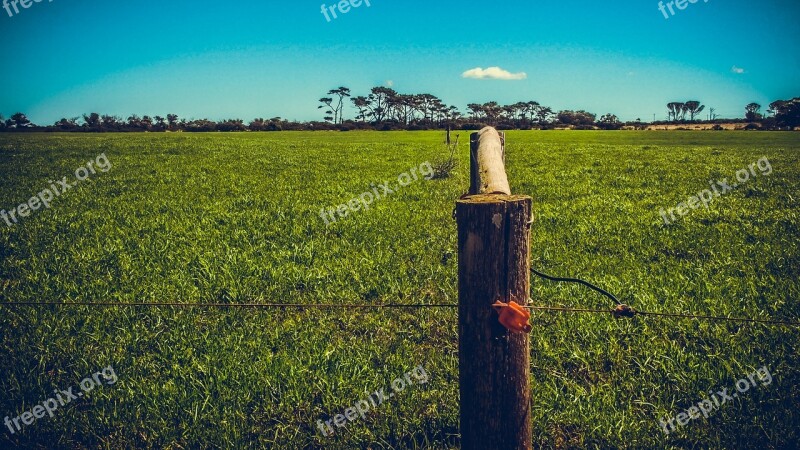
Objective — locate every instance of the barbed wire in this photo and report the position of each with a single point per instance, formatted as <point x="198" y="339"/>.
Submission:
<point x="233" y="305"/>
<point x="618" y="312"/>
<point x="630" y="312"/>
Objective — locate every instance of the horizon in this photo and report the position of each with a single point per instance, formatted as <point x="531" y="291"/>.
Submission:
<point x="266" y="60"/>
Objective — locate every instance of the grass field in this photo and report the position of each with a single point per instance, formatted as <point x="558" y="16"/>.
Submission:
<point x="235" y="218"/>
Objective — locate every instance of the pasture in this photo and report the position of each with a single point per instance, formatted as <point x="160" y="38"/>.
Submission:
<point x="235" y="218"/>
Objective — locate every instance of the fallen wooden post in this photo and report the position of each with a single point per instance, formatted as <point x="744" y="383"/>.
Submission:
<point x="487" y="168"/>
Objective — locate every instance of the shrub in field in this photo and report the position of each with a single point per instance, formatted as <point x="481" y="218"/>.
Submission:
<point x="443" y="169"/>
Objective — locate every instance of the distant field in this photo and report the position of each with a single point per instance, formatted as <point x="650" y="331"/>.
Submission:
<point x="234" y="218"/>
<point x="700" y="126"/>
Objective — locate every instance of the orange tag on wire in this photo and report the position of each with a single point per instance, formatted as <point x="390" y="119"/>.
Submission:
<point x="513" y="316"/>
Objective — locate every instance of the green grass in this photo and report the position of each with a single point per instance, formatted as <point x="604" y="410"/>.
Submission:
<point x="234" y="218"/>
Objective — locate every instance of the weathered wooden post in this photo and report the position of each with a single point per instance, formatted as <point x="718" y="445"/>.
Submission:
<point x="493" y="264"/>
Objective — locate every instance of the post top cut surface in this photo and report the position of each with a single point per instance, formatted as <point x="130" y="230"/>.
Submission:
<point x="492" y="198"/>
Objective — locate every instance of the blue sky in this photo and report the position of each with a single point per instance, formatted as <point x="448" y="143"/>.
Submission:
<point x="248" y="59"/>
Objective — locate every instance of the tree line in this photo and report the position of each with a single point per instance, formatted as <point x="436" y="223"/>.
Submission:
<point x="386" y="109"/>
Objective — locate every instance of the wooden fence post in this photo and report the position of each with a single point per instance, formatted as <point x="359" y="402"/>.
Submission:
<point x="493" y="264"/>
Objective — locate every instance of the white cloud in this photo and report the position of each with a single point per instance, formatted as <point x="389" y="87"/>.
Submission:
<point x="493" y="73"/>
<point x="735" y="69"/>
<point x="389" y="83"/>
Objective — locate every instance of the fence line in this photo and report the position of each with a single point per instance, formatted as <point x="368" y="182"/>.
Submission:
<point x="610" y="312"/>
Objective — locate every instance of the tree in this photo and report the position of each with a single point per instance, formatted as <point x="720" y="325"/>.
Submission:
<point x="134" y="122"/>
<point x="231" y="125"/>
<point x="453" y="114"/>
<point x="338" y="110"/>
<point x="787" y="112"/>
<point x="675" y="110"/>
<point x="427" y="105"/>
<point x="362" y="104"/>
<point x="751" y="112"/>
<point x="113" y="123"/>
<point x="609" y="122"/>
<point x="712" y="114"/>
<point x="92" y="122"/>
<point x="528" y="110"/>
<point x="543" y="114"/>
<point x="585" y="118"/>
<point x="327" y="102"/>
<point x="476" y="110"/>
<point x="2" y="123"/>
<point x="200" y="125"/>
<point x="275" y="124"/>
<point x="403" y="107"/>
<point x="258" y="124"/>
<point x="693" y="107"/>
<point x="161" y="123"/>
<point x="394" y="106"/>
<point x="380" y="99"/>
<point x="492" y="111"/>
<point x="147" y="123"/>
<point x="566" y="117"/>
<point x="67" y="124"/>
<point x="440" y="113"/>
<point x="578" y="118"/>
<point x="20" y="120"/>
<point x="172" y="121"/>
<point x="775" y="106"/>
<point x="511" y="112"/>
